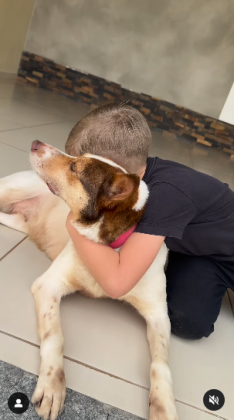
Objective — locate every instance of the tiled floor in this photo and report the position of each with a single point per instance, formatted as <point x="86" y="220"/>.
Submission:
<point x="106" y="350"/>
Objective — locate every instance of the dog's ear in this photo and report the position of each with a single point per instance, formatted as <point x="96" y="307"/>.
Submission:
<point x="120" y="186"/>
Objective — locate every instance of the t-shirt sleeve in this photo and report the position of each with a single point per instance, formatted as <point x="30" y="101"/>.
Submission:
<point x="168" y="211"/>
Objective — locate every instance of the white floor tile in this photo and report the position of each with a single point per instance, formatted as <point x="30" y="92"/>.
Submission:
<point x="186" y="412"/>
<point x="9" y="238"/>
<point x="69" y="109"/>
<point x="213" y="159"/>
<point x="17" y="274"/>
<point x="53" y="134"/>
<point x="12" y="160"/>
<point x="165" y="154"/>
<point x="7" y="88"/>
<point x="28" y="114"/>
<point x="53" y="102"/>
<point x="8" y="125"/>
<point x="215" y="172"/>
<point x="170" y="143"/>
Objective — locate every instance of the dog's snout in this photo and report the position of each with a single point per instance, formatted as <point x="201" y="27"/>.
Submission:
<point x="36" y="144"/>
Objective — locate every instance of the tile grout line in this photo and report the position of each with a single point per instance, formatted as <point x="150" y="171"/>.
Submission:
<point x="77" y="362"/>
<point x="8" y="119"/>
<point x="13" y="147"/>
<point x="43" y="107"/>
<point x="12" y="249"/>
<point x="109" y="374"/>
<point x="19" y="339"/>
<point x="32" y="126"/>
<point x="41" y="125"/>
<point x="36" y="104"/>
<point x="28" y="127"/>
<point x="105" y="373"/>
<point x="12" y="129"/>
<point x="18" y="99"/>
<point x="203" y="411"/>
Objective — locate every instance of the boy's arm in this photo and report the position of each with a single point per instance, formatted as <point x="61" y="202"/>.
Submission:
<point x="117" y="273"/>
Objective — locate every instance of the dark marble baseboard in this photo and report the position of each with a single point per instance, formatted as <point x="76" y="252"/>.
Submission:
<point x="77" y="406"/>
<point x="161" y="115"/>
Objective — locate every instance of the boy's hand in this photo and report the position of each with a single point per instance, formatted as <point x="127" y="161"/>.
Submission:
<point x="69" y="220"/>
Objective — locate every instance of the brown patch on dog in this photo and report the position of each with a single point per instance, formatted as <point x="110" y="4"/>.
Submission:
<point x="156" y="405"/>
<point x="55" y="300"/>
<point x="109" y="188"/>
<point x="163" y="344"/>
<point x="51" y="367"/>
<point x="50" y="315"/>
<point x="86" y="293"/>
<point x="153" y="374"/>
<point x="44" y="315"/>
<point x="59" y="376"/>
<point x="47" y="334"/>
<point x="49" y="373"/>
<point x="51" y="307"/>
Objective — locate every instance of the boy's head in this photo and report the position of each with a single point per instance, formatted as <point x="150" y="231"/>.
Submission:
<point x="115" y="131"/>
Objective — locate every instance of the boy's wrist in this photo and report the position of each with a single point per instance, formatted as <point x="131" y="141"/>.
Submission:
<point x="70" y="217"/>
<point x="69" y="225"/>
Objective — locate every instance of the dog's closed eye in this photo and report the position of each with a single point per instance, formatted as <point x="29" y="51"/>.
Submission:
<point x="73" y="167"/>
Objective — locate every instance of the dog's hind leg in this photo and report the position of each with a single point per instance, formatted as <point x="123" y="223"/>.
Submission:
<point x="15" y="221"/>
<point x="48" y="290"/>
<point x="18" y="187"/>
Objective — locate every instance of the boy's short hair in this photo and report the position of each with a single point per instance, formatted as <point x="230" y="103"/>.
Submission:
<point x="115" y="131"/>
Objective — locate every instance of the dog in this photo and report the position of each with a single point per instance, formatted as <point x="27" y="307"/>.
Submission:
<point x="106" y="201"/>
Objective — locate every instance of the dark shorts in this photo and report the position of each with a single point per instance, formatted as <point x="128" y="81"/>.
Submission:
<point x="195" y="289"/>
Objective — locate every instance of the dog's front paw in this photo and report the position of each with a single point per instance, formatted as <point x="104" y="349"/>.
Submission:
<point x="50" y="393"/>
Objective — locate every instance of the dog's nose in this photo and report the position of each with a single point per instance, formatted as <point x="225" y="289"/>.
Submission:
<point x="36" y="144"/>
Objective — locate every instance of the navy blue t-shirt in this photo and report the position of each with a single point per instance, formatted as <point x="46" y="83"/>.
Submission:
<point x="194" y="211"/>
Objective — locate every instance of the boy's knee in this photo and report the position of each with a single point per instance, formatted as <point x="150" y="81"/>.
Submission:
<point x="189" y="326"/>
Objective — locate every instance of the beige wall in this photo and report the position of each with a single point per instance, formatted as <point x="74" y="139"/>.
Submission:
<point x="181" y="51"/>
<point x="14" y="21"/>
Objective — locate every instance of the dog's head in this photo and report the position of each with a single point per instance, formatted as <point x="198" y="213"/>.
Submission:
<point x="96" y="189"/>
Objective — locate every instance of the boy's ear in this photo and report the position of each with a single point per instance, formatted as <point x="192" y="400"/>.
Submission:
<point x="120" y="187"/>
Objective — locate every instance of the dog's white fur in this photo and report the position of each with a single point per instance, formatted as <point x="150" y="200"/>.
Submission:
<point x="28" y="206"/>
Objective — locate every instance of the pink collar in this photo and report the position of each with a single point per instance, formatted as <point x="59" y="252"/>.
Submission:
<point x="122" y="238"/>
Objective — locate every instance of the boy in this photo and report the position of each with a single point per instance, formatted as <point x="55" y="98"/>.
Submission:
<point x="192" y="212"/>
